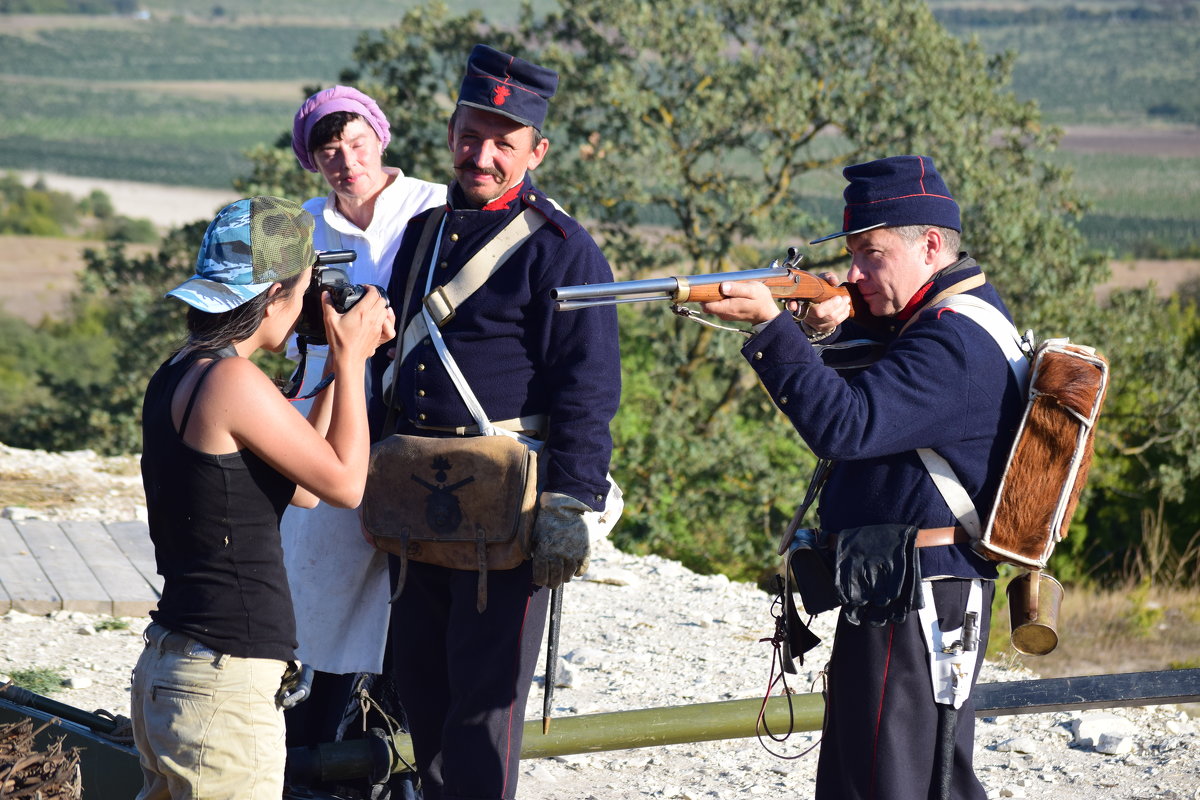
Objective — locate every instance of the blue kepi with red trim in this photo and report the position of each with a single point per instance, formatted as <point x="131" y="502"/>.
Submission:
<point x="507" y="85"/>
<point x="893" y="192"/>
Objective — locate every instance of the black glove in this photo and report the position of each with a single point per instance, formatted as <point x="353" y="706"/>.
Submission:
<point x="560" y="540"/>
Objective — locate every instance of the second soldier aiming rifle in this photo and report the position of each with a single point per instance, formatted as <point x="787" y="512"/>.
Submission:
<point x="786" y="282"/>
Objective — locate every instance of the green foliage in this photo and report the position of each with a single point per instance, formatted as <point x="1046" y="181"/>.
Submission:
<point x="1143" y="617"/>
<point x="39" y="680"/>
<point x="68" y="6"/>
<point x="729" y="139"/>
<point x="714" y="497"/>
<point x="90" y="368"/>
<point x="1100" y="68"/>
<point x="1142" y="486"/>
<point x="38" y="211"/>
<point x="78" y="382"/>
<point x="112" y="624"/>
<point x="175" y="50"/>
<point x="276" y="172"/>
<point x="726" y="133"/>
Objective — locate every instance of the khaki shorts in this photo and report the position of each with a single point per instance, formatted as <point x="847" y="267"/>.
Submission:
<point x="206" y="724"/>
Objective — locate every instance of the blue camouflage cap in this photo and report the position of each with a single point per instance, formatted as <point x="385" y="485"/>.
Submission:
<point x="250" y="245"/>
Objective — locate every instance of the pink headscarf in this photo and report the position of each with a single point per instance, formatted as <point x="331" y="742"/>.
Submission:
<point x="326" y="101"/>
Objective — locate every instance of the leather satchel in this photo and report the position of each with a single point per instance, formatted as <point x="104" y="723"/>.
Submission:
<point x="461" y="502"/>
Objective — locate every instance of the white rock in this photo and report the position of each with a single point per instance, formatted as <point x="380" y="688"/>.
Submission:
<point x="18" y="513"/>
<point x="1019" y="744"/>
<point x="78" y="682"/>
<point x="540" y="773"/>
<point x="586" y="657"/>
<point x="564" y="676"/>
<point x="611" y="576"/>
<point x="1114" y="745"/>
<point x="1088" y="727"/>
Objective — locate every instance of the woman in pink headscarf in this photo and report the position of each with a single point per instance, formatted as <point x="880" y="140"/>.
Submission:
<point x="339" y="582"/>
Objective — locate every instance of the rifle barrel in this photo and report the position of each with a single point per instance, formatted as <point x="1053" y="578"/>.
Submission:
<point x="607" y="294"/>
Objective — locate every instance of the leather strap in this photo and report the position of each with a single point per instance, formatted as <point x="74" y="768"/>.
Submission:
<point x="534" y="425"/>
<point x="443" y="301"/>
<point x="926" y="537"/>
<point x="938" y="537"/>
<point x="951" y="490"/>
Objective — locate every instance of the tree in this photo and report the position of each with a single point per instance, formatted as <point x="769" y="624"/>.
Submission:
<point x="708" y="136"/>
<point x="92" y="365"/>
<point x="1142" y="512"/>
<point x="700" y="137"/>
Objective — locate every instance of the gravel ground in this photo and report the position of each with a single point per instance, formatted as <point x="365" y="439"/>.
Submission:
<point x="637" y="633"/>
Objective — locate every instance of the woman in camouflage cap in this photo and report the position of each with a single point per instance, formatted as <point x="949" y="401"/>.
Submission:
<point x="223" y="455"/>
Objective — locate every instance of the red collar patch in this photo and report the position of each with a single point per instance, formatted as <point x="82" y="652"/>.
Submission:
<point x="914" y="303"/>
<point x="503" y="200"/>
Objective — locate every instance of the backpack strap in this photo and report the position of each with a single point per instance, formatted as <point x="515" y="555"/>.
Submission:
<point x="1004" y="333"/>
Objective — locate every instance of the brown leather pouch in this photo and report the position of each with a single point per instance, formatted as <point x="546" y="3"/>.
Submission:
<point x="464" y="502"/>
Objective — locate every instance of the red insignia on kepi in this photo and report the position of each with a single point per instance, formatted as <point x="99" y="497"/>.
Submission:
<point x="500" y="94"/>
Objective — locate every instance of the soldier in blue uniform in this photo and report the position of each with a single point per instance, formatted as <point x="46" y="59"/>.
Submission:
<point x="464" y="675"/>
<point x="941" y="383"/>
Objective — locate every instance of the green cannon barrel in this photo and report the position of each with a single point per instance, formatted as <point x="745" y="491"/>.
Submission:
<point x="588" y="733"/>
<point x="735" y="719"/>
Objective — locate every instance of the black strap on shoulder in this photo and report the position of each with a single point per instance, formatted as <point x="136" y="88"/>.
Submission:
<point x="215" y="355"/>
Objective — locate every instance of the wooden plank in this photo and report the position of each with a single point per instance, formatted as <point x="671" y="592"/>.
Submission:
<point x="133" y="538"/>
<point x="27" y="585"/>
<point x="130" y="594"/>
<point x="73" y="581"/>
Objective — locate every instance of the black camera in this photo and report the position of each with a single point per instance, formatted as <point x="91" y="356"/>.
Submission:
<point x="342" y="293"/>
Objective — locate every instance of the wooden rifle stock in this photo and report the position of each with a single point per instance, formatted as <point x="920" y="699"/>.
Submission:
<point x="797" y="284"/>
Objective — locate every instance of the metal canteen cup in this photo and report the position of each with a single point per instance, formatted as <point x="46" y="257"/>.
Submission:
<point x="1034" y="601"/>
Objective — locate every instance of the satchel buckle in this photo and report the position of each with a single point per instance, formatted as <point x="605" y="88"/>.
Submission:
<point x="440" y="306"/>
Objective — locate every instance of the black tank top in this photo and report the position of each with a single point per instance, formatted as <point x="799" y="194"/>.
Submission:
<point x="214" y="521"/>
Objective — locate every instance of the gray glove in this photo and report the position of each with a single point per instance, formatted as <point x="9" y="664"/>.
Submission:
<point x="560" y="540"/>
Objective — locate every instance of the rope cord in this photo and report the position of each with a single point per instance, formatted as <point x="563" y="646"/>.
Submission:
<point x="778" y="675"/>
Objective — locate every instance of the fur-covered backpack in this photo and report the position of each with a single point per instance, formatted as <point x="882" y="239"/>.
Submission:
<point x="1051" y="453"/>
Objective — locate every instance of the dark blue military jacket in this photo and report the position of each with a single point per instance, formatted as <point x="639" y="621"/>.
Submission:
<point x="943" y="384"/>
<point x="519" y="355"/>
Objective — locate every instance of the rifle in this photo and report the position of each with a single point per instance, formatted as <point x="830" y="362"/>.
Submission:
<point x="786" y="282"/>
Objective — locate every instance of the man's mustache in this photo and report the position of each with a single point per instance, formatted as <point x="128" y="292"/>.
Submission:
<point x="472" y="167"/>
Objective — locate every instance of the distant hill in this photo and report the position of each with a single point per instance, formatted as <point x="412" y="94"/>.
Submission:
<point x="180" y="97"/>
